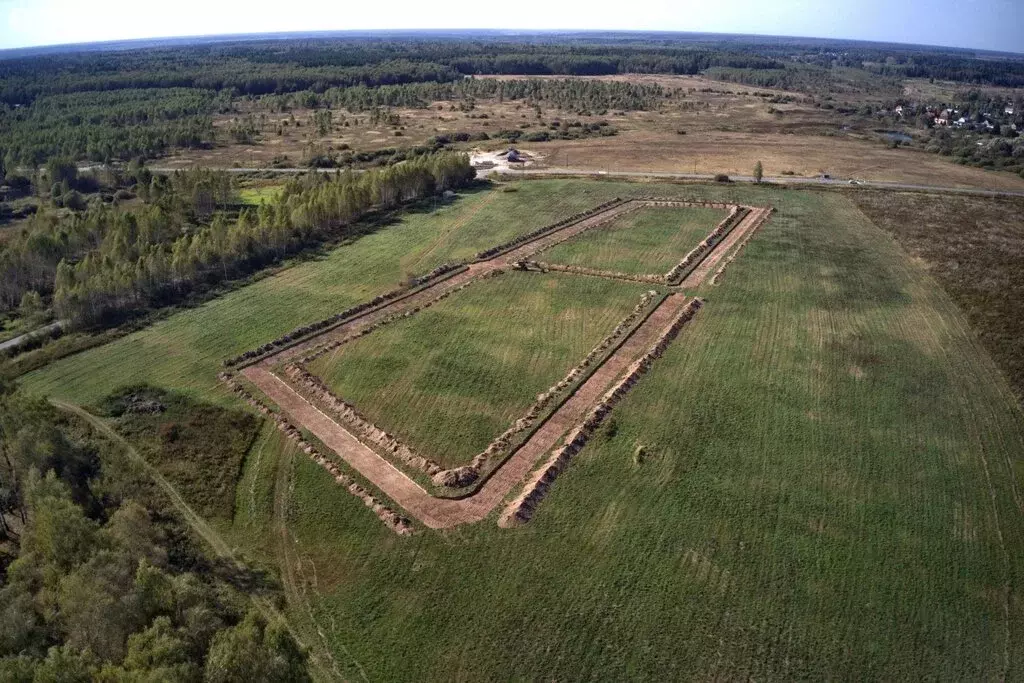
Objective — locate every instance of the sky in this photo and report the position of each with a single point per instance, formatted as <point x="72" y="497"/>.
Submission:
<point x="981" y="24"/>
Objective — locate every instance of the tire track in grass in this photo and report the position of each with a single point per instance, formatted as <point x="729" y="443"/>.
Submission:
<point x="195" y="522"/>
<point x="971" y="428"/>
<point x="455" y="227"/>
<point x="292" y="578"/>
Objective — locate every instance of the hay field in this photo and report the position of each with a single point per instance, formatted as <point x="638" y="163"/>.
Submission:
<point x="451" y="378"/>
<point x="830" y="482"/>
<point x="648" y="242"/>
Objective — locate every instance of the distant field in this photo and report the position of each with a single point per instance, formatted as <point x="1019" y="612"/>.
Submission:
<point x="650" y="241"/>
<point x="257" y="195"/>
<point x="454" y="376"/>
<point x="975" y="248"/>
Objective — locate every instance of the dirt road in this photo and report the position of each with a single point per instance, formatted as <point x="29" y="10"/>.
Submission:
<point x="723" y="248"/>
<point x="438" y="513"/>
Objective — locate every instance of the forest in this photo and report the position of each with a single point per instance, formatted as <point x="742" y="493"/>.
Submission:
<point x="105" y="262"/>
<point x="120" y="104"/>
<point x="101" y="579"/>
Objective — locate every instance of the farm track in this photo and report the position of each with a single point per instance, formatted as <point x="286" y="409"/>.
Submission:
<point x="193" y="520"/>
<point x="749" y="223"/>
<point x="438" y="513"/>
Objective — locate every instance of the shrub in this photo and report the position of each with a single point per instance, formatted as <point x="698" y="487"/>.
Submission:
<point x="722" y="178"/>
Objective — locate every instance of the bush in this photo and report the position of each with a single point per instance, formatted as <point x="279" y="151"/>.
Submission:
<point x="722" y="178"/>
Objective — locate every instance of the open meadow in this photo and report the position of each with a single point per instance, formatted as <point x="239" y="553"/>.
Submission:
<point x="703" y="126"/>
<point x="820" y="478"/>
<point x="451" y="378"/>
<point x="647" y="242"/>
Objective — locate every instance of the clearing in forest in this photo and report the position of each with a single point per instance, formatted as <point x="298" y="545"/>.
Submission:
<point x="449" y="379"/>
<point x="645" y="242"/>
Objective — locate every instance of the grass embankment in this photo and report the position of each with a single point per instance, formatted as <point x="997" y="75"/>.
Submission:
<point x="648" y="242"/>
<point x="450" y="379"/>
<point x="974" y="247"/>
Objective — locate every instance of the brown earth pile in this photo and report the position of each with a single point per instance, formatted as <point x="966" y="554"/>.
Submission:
<point x="761" y="219"/>
<point x="355" y="422"/>
<point x="522" y="508"/>
<point x="330" y="346"/>
<point x="502" y="443"/>
<point x="391" y="519"/>
<point x="704" y="247"/>
<point x="321" y="325"/>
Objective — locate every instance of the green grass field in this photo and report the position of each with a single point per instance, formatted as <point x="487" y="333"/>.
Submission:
<point x="185" y="351"/>
<point x="451" y="378"/>
<point x="257" y="195"/>
<point x="648" y="242"/>
<point x="833" y="486"/>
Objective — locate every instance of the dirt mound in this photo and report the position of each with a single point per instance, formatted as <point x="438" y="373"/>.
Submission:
<point x="522" y="508"/>
<point x="702" y="249"/>
<point x="391" y="519"/>
<point x="760" y="220"/>
<point x="355" y="422"/>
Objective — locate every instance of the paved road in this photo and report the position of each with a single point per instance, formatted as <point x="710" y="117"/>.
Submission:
<point x="38" y="332"/>
<point x="777" y="180"/>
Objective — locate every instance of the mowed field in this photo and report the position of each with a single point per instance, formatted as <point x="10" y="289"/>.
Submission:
<point x="826" y="487"/>
<point x="648" y="242"/>
<point x="451" y="378"/>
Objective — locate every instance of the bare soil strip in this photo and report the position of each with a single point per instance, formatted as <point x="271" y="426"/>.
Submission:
<point x="754" y="218"/>
<point x="739" y="247"/>
<point x="438" y="513"/>
<point x="522" y="508"/>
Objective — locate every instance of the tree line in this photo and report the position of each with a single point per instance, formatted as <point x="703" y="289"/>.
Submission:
<point x="153" y="258"/>
<point x="566" y="94"/>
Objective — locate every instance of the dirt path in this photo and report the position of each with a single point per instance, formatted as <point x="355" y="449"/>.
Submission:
<point x="192" y="518"/>
<point x="720" y="250"/>
<point x="438" y="513"/>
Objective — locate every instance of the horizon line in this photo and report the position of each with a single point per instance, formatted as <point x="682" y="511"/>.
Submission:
<point x="113" y="43"/>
